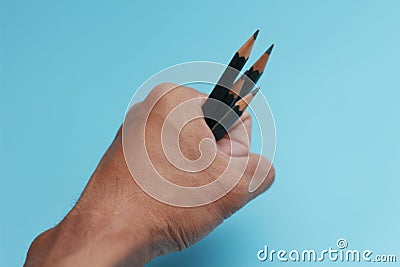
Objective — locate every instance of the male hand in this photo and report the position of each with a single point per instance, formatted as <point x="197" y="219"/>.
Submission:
<point x="116" y="223"/>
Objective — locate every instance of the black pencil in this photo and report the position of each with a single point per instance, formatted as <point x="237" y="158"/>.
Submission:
<point x="249" y="78"/>
<point x="228" y="77"/>
<point x="243" y="85"/>
<point x="230" y="117"/>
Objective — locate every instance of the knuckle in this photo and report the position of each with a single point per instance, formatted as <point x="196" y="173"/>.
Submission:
<point x="162" y="88"/>
<point x="166" y="95"/>
<point x="159" y="91"/>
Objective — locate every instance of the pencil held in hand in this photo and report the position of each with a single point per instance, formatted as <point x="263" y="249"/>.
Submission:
<point x="251" y="76"/>
<point x="229" y="118"/>
<point x="229" y="98"/>
<point x="228" y="77"/>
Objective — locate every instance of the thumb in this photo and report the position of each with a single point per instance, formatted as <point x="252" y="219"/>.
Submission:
<point x="258" y="177"/>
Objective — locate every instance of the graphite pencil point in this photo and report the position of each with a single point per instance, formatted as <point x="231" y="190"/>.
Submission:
<point x="246" y="48"/>
<point x="255" y="91"/>
<point x="269" y="50"/>
<point x="256" y="34"/>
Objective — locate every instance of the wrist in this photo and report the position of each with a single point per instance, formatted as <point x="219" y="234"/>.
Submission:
<point x="91" y="239"/>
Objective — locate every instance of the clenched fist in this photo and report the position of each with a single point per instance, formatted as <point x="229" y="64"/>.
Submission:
<point x="163" y="184"/>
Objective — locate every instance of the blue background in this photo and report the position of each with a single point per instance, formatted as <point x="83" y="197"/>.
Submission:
<point x="69" y="68"/>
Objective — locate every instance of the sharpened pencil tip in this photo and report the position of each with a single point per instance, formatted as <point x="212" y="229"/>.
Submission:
<point x="255" y="91"/>
<point x="256" y="34"/>
<point x="269" y="50"/>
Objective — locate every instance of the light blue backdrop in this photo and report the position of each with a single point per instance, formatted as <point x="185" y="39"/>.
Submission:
<point x="69" y="68"/>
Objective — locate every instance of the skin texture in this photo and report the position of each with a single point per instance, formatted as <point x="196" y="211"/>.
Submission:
<point x="116" y="223"/>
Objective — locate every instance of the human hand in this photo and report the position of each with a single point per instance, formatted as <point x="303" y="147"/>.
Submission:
<point x="116" y="223"/>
